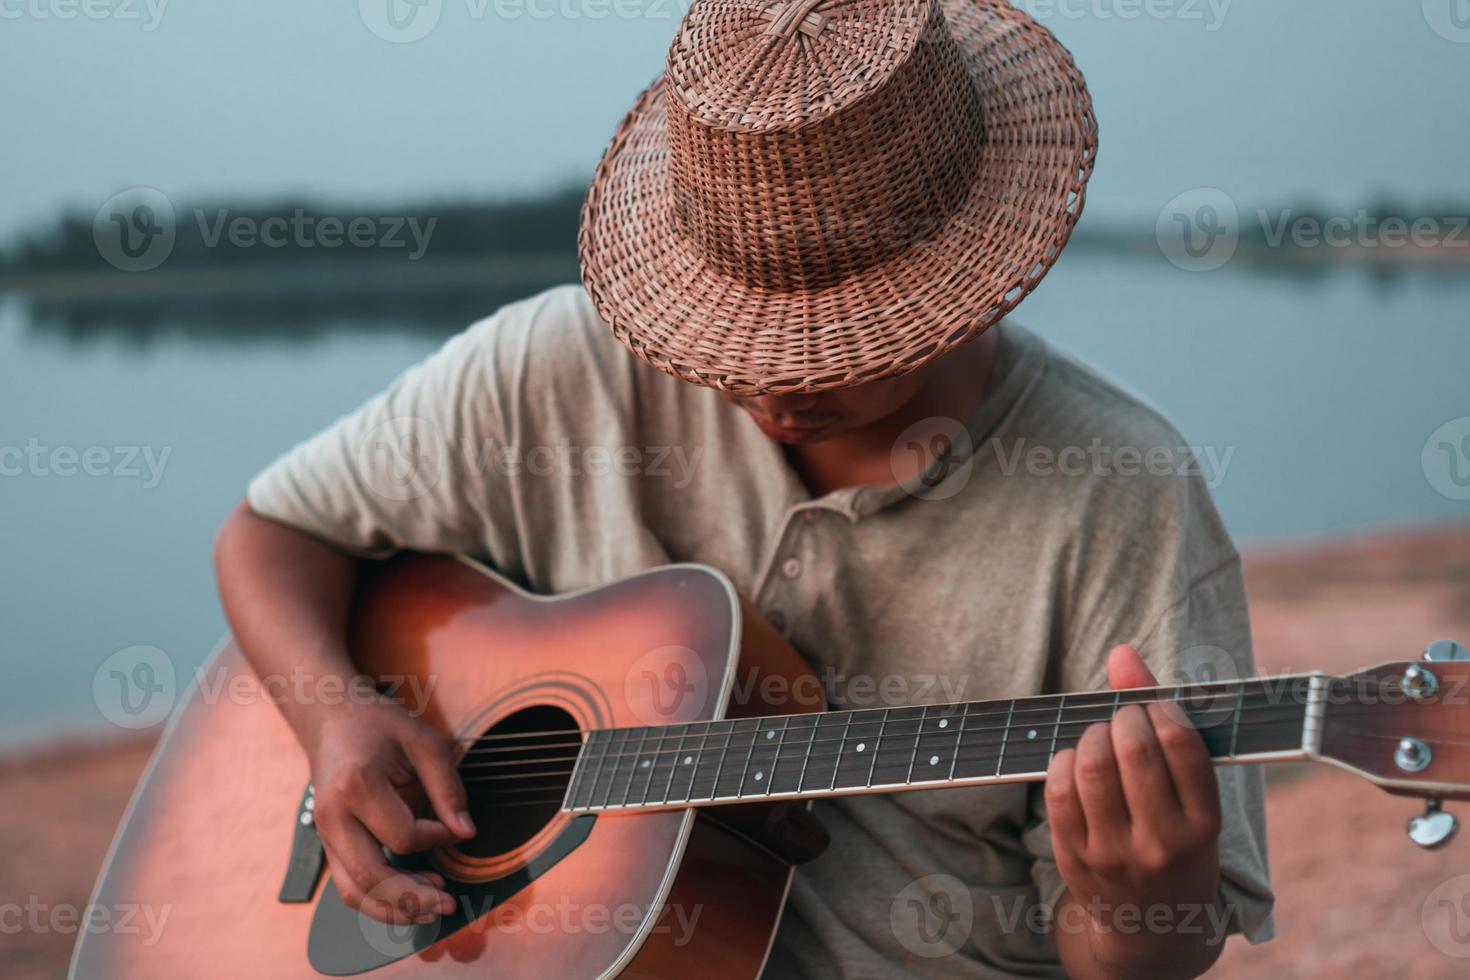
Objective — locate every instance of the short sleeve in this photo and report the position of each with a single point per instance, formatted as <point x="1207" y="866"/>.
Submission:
<point x="1182" y="604"/>
<point x="408" y="469"/>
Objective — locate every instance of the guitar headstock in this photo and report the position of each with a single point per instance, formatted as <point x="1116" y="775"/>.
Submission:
<point x="1406" y="727"/>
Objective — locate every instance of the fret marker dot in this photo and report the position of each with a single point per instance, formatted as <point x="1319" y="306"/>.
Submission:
<point x="861" y="746"/>
<point x="644" y="764"/>
<point x="944" y="723"/>
<point x="759" y="776"/>
<point x="688" y="759"/>
<point x="771" y="734"/>
<point x="934" y="760"/>
<point x="1031" y="733"/>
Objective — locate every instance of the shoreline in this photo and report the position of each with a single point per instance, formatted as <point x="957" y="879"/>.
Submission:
<point x="1334" y="604"/>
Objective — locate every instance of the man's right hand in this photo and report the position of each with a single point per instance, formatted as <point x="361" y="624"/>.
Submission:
<point x="382" y="776"/>
<point x="374" y="766"/>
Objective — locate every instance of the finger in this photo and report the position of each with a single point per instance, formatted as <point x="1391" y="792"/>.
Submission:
<point x="1190" y="768"/>
<point x="1126" y="669"/>
<point x="1098" y="787"/>
<point x="405" y="898"/>
<point x="352" y="896"/>
<point x="1148" y="786"/>
<point x="431" y="762"/>
<point x="389" y="819"/>
<point x="1064" y="808"/>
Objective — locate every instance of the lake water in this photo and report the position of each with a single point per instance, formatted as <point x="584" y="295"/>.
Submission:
<point x="1319" y="397"/>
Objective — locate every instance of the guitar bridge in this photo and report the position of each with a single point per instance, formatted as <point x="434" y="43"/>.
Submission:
<point x="308" y="858"/>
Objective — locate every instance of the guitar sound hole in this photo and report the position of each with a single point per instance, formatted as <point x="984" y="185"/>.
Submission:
<point x="516" y="775"/>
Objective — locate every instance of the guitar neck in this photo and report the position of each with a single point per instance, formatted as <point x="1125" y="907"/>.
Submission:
<point x="886" y="750"/>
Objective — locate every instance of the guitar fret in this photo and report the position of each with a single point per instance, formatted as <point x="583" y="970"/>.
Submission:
<point x="786" y="774"/>
<point x="807" y="759"/>
<point x="1056" y="729"/>
<point x="776" y="757"/>
<point x="584" y="762"/>
<point x="674" y="763"/>
<point x="749" y="754"/>
<point x="841" y="749"/>
<point x="1235" y="723"/>
<point x="914" y="756"/>
<point x="720" y="763"/>
<point x="635" y="763"/>
<point x="959" y="732"/>
<point x="602" y="798"/>
<point x="1005" y="738"/>
<point x="877" y="747"/>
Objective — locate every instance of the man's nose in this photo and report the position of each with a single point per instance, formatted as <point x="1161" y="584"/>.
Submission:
<point x="781" y="404"/>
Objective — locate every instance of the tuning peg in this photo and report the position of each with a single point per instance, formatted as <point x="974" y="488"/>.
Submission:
<point x="1444" y="651"/>
<point x="1434" y="827"/>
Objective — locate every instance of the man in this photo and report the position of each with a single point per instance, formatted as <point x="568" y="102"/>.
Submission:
<point x="808" y="231"/>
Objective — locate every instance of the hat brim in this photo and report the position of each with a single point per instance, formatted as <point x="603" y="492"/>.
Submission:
<point x="664" y="302"/>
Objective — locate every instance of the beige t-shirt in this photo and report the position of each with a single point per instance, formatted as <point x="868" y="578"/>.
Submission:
<point x="1064" y="519"/>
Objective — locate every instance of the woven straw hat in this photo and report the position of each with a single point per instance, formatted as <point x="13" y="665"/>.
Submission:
<point x="821" y="193"/>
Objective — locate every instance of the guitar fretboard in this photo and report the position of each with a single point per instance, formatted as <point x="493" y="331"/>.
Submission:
<point x="889" y="749"/>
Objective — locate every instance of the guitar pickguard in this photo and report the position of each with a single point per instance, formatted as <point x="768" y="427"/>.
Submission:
<point x="343" y="942"/>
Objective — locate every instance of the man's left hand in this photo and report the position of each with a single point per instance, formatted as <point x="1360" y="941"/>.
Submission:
<point x="1135" y="826"/>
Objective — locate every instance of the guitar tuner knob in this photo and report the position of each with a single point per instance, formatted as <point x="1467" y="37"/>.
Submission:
<point x="1434" y="827"/>
<point x="1446" y="651"/>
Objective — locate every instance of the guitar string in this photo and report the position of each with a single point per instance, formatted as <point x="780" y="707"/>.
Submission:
<point x="938" y="784"/>
<point x="966" y="754"/>
<point x="964" y="720"/>
<point x="756" y="724"/>
<point x="1263" y="686"/>
<point x="662" y="740"/>
<point x="1192" y="699"/>
<point x="654" y="755"/>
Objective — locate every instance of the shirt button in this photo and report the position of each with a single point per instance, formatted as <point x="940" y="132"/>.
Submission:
<point x="777" y="621"/>
<point x="791" y="568"/>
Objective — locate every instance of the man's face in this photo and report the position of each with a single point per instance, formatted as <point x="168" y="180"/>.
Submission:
<point x="805" y="419"/>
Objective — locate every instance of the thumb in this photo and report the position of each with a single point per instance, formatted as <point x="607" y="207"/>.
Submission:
<point x="441" y="783"/>
<point x="1126" y="669"/>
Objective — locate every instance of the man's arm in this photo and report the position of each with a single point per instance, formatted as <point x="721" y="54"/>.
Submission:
<point x="1135" y="823"/>
<point x="287" y="597"/>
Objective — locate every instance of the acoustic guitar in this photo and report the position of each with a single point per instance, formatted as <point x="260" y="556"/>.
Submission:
<point x="625" y="750"/>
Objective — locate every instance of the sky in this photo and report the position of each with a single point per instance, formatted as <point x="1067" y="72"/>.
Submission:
<point x="1271" y="100"/>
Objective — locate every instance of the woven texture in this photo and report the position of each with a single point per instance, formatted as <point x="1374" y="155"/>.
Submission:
<point x="820" y="193"/>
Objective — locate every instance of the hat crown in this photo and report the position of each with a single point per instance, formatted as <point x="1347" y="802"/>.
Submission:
<point x="812" y="139"/>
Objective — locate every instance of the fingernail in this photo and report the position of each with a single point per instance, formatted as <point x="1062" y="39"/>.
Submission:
<point x="466" y="825"/>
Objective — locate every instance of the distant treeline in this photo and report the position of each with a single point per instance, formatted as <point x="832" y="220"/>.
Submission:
<point x="223" y="234"/>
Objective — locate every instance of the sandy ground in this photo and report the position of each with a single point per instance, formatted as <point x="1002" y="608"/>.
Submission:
<point x="1355" y="898"/>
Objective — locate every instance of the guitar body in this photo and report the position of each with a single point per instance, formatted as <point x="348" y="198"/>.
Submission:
<point x="209" y="835"/>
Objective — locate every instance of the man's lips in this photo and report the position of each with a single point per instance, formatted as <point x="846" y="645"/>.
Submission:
<point x="794" y="431"/>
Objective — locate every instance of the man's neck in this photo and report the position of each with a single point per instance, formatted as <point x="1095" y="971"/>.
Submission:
<point x="953" y="388"/>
